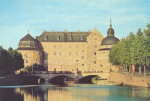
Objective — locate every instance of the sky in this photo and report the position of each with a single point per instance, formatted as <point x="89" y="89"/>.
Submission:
<point x="19" y="16"/>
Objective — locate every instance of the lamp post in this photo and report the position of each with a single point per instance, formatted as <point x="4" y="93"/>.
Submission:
<point x="77" y="65"/>
<point x="89" y="67"/>
<point x="61" y="65"/>
<point x="61" y="68"/>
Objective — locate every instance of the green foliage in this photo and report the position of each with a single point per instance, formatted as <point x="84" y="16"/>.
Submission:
<point x="10" y="61"/>
<point x="35" y="67"/>
<point x="132" y="50"/>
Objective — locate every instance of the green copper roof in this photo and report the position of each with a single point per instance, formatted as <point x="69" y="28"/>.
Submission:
<point x="63" y="36"/>
<point x="110" y="40"/>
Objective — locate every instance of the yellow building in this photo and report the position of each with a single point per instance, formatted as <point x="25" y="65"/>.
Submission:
<point x="69" y="51"/>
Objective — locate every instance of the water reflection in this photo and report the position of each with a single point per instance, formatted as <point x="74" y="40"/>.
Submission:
<point x="75" y="92"/>
<point x="9" y="94"/>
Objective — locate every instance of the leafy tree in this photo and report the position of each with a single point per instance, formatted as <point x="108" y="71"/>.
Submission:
<point x="17" y="61"/>
<point x="5" y="60"/>
<point x="133" y="50"/>
<point x="35" y="67"/>
<point x="10" y="61"/>
<point x="114" y="55"/>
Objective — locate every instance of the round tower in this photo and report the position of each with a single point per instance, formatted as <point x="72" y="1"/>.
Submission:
<point x="30" y="50"/>
<point x="103" y="52"/>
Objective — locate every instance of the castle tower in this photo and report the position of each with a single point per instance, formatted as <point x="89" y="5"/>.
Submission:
<point x="103" y="52"/>
<point x="30" y="50"/>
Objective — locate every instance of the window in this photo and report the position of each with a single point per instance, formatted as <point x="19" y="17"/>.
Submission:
<point x="101" y="65"/>
<point x="54" y="52"/>
<point x="82" y="51"/>
<point x="45" y="61"/>
<point x="76" y="46"/>
<point x="45" y="38"/>
<point x="95" y="38"/>
<point x="76" y="53"/>
<point x="82" y="64"/>
<point x="94" y="62"/>
<point x="26" y="61"/>
<point x="69" y="53"/>
<point x="104" y="52"/>
<point x="94" y="53"/>
<point x="95" y="46"/>
<point x="54" y="61"/>
<point x="82" y="57"/>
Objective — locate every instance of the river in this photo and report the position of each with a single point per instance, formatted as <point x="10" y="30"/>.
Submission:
<point x="74" y="92"/>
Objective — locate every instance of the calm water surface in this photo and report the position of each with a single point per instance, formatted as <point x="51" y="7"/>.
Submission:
<point x="74" y="92"/>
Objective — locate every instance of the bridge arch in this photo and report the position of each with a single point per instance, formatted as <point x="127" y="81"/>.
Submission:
<point x="88" y="78"/>
<point x="59" y="79"/>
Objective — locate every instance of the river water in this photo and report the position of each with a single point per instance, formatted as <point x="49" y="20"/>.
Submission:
<point x="74" y="92"/>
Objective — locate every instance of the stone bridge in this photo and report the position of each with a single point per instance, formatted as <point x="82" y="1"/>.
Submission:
<point x="60" y="76"/>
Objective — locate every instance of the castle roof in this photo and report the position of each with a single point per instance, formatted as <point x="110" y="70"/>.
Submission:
<point x="63" y="36"/>
<point x="110" y="39"/>
<point x="28" y="43"/>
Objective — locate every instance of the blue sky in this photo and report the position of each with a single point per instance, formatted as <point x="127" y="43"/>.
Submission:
<point x="19" y="16"/>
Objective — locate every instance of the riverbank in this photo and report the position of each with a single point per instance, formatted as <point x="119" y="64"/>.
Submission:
<point x="125" y="79"/>
<point x="10" y="80"/>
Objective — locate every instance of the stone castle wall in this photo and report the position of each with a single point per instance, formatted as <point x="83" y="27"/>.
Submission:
<point x="29" y="57"/>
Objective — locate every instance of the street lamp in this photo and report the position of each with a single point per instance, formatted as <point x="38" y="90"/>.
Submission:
<point x="61" y="68"/>
<point x="77" y="64"/>
<point x="89" y="67"/>
<point x="61" y="65"/>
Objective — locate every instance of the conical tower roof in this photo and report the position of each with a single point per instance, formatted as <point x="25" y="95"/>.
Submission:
<point x="28" y="37"/>
<point x="28" y="42"/>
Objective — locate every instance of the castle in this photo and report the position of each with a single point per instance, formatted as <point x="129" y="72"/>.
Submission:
<point x="69" y="51"/>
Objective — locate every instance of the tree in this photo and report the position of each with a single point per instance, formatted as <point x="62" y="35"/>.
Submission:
<point x="130" y="39"/>
<point x="34" y="67"/>
<point x="17" y="61"/>
<point x="10" y="61"/>
<point x="5" y="60"/>
<point x="114" y="55"/>
<point x="147" y="43"/>
<point x="139" y="50"/>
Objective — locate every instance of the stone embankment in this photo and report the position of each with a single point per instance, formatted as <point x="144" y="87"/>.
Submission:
<point x="126" y="79"/>
<point x="10" y="80"/>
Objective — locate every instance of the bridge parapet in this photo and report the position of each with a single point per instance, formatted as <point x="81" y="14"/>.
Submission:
<point x="49" y="75"/>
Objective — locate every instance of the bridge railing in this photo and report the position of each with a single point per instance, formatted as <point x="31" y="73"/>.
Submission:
<point x="93" y="72"/>
<point x="48" y="72"/>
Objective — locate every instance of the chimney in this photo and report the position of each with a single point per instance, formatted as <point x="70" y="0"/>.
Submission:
<point x="78" y="31"/>
<point x="65" y="31"/>
<point x="52" y="31"/>
<point x="44" y="31"/>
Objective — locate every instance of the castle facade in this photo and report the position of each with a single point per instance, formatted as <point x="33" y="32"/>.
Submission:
<point x="69" y="51"/>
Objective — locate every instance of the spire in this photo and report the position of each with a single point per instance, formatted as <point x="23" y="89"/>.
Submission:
<point x="28" y="31"/>
<point x="110" y="23"/>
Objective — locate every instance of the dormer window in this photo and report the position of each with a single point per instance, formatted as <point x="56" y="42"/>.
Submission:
<point x="45" y="38"/>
